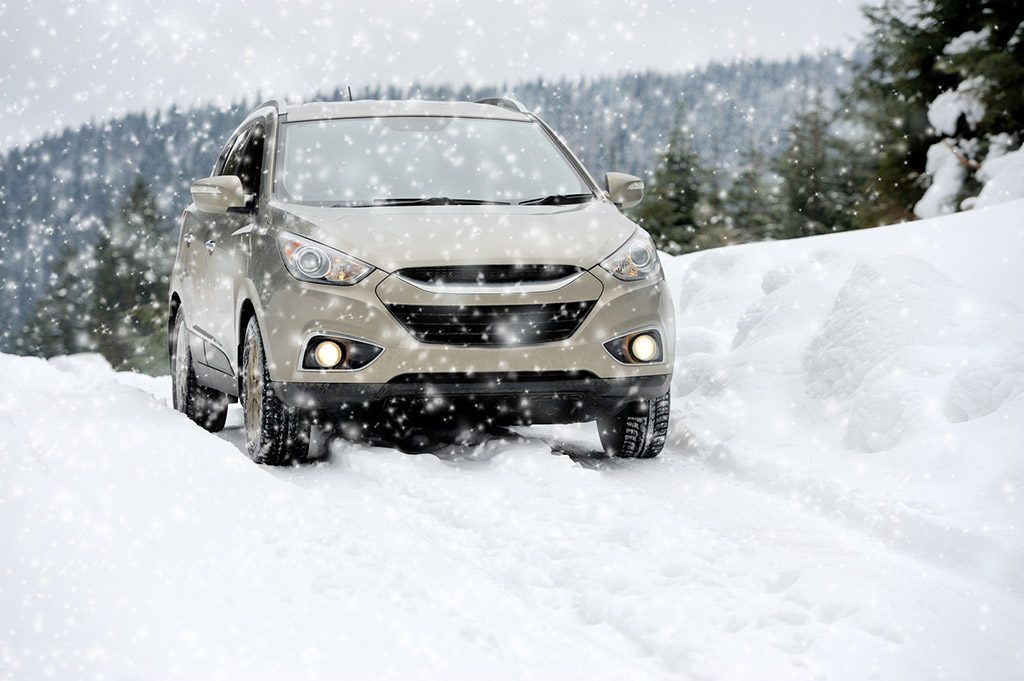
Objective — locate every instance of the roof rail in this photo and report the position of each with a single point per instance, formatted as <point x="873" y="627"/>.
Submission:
<point x="276" y="103"/>
<point x="505" y="103"/>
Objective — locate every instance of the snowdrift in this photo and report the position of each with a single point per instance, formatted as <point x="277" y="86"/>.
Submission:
<point x="840" y="499"/>
<point x="850" y="371"/>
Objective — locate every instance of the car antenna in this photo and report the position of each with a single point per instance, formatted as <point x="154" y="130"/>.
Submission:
<point x="350" y="93"/>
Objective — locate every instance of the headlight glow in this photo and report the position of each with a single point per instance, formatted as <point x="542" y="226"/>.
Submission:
<point x="643" y="347"/>
<point x="308" y="260"/>
<point x="634" y="260"/>
<point x="639" y="347"/>
<point x="328" y="354"/>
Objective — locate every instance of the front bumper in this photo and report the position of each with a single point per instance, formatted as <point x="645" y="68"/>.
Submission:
<point x="293" y="310"/>
<point x="530" y="397"/>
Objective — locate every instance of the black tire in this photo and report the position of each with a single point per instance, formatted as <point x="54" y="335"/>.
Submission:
<point x="205" y="406"/>
<point x="638" y="431"/>
<point x="275" y="434"/>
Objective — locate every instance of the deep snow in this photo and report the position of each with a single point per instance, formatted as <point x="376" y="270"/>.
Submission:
<point x="841" y="499"/>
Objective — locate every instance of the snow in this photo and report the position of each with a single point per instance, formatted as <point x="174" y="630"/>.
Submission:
<point x="945" y="110"/>
<point x="840" y="499"/>
<point x="946" y="175"/>
<point x="1003" y="177"/>
<point x="967" y="41"/>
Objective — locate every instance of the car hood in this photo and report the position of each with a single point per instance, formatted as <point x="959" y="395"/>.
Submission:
<point x="394" y="237"/>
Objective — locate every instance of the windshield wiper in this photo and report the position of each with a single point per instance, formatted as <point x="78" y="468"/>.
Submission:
<point x="422" y="201"/>
<point x="557" y="199"/>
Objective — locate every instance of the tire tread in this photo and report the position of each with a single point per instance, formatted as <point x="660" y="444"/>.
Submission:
<point x="206" y="407"/>
<point x="284" y="431"/>
<point x="639" y="430"/>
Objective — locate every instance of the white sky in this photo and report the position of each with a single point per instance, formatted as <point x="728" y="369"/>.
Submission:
<point x="62" y="63"/>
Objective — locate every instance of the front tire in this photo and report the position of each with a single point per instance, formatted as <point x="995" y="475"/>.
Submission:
<point x="205" y="406"/>
<point x="638" y="430"/>
<point x="275" y="433"/>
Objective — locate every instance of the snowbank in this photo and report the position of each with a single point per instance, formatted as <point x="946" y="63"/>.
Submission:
<point x="841" y="499"/>
<point x="868" y="382"/>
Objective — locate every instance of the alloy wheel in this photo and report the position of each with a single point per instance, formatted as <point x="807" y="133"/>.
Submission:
<point x="252" y="404"/>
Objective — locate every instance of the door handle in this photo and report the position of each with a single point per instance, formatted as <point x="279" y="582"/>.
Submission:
<point x="188" y="238"/>
<point x="210" y="245"/>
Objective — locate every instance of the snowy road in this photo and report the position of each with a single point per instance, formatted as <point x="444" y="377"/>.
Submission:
<point x="770" y="541"/>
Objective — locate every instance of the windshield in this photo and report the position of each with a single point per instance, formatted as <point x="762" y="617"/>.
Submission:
<point x="422" y="159"/>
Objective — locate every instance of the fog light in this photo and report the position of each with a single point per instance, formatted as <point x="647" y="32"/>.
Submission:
<point x="643" y="347"/>
<point x="328" y="354"/>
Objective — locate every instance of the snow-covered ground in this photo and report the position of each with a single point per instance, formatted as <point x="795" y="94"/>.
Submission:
<point x="841" y="498"/>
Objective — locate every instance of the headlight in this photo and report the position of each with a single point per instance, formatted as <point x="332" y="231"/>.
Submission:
<point x="309" y="261"/>
<point x="635" y="259"/>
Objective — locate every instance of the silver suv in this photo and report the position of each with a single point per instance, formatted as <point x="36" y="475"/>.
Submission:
<point x="403" y="266"/>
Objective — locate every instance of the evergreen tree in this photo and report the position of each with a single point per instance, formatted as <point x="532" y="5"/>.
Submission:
<point x="909" y="63"/>
<point x="130" y="283"/>
<point x="56" y="324"/>
<point x="713" y="224"/>
<point x="750" y="205"/>
<point x="821" y="176"/>
<point x="669" y="212"/>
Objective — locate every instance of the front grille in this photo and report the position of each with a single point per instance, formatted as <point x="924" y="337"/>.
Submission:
<point x="492" y="324"/>
<point x="487" y="274"/>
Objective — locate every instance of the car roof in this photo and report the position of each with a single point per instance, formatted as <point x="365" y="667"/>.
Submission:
<point x="367" y="108"/>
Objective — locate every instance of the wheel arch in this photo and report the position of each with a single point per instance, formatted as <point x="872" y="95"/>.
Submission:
<point x="249" y="307"/>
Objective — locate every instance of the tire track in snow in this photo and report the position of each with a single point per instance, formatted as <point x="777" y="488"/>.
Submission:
<point x="890" y="561"/>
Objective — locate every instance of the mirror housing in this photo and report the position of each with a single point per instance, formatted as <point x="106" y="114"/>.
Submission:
<point x="218" y="194"/>
<point x="624" y="190"/>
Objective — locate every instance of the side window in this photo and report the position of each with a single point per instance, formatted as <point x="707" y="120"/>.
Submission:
<point x="250" y="164"/>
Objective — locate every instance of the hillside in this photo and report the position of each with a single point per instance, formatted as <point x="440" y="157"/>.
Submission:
<point x="59" y="188"/>
<point x="839" y="499"/>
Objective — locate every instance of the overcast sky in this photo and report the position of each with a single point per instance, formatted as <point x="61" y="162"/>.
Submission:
<point x="62" y="63"/>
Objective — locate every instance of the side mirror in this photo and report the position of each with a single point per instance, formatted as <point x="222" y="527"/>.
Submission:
<point x="218" y="194"/>
<point x="624" y="190"/>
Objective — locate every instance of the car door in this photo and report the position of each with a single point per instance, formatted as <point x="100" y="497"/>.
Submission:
<point x="228" y="244"/>
<point x="203" y="237"/>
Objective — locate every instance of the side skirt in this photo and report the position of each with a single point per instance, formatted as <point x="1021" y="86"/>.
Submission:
<point x="216" y="379"/>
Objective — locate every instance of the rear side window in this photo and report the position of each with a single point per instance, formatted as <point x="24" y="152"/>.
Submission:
<point x="234" y="156"/>
<point x="250" y="160"/>
<point x="218" y="168"/>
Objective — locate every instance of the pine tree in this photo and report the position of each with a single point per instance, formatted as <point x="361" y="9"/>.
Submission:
<point x="908" y="66"/>
<point x="751" y="203"/>
<point x="821" y="176"/>
<point x="669" y="211"/>
<point x="130" y="283"/>
<point x="55" y="326"/>
<point x="713" y="224"/>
